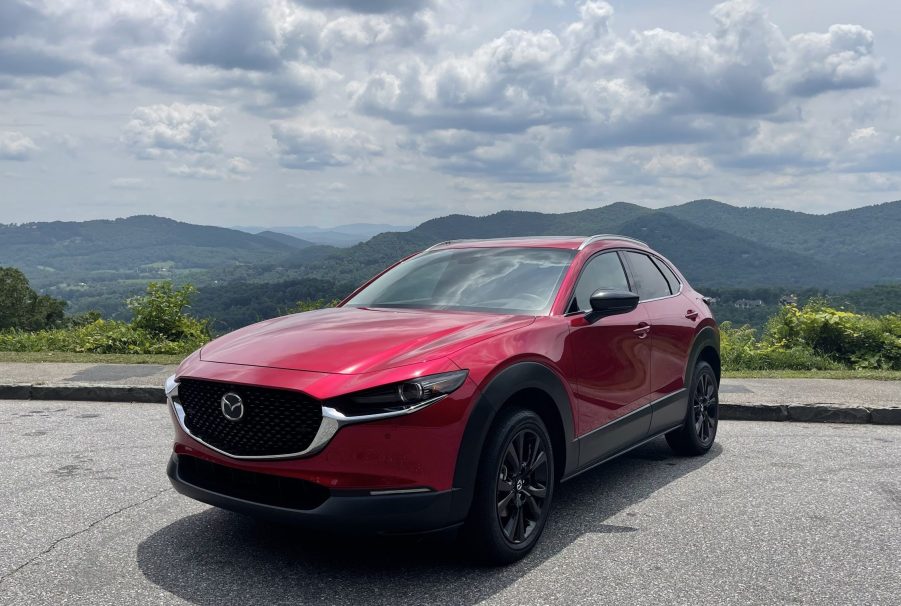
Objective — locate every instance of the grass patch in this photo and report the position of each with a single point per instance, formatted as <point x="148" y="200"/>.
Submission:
<point x="875" y="374"/>
<point x="88" y="358"/>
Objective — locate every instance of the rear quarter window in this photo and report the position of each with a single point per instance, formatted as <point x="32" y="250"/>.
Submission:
<point x="668" y="274"/>
<point x="648" y="279"/>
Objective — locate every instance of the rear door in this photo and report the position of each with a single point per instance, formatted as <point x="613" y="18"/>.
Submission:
<point x="673" y="324"/>
<point x="611" y="363"/>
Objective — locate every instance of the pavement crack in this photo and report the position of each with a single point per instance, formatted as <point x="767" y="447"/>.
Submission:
<point x="72" y="535"/>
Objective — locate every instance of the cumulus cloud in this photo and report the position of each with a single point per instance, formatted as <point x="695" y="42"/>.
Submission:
<point x="651" y="87"/>
<point x="314" y="148"/>
<point x="841" y="58"/>
<point x="156" y="131"/>
<point x="239" y="35"/>
<point x="369" y="6"/>
<point x="189" y="138"/>
<point x="518" y="92"/>
<point x="16" y="146"/>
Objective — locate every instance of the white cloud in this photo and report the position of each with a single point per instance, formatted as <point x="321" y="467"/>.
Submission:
<point x="841" y="58"/>
<point x="156" y="131"/>
<point x="566" y="101"/>
<point x="654" y="86"/>
<point x="16" y="146"/>
<point x="369" y="6"/>
<point x="314" y="148"/>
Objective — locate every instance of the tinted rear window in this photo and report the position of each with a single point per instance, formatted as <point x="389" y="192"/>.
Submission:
<point x="668" y="274"/>
<point x="649" y="282"/>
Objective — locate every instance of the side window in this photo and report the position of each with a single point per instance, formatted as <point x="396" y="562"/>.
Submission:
<point x="668" y="274"/>
<point x="649" y="282"/>
<point x="602" y="271"/>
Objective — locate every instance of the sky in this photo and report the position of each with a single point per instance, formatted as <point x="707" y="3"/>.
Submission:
<point x="324" y="112"/>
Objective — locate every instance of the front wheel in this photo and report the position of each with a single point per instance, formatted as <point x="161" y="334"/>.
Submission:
<point x="513" y="489"/>
<point x="696" y="435"/>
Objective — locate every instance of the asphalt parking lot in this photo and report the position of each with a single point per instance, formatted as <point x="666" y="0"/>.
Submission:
<point x="778" y="513"/>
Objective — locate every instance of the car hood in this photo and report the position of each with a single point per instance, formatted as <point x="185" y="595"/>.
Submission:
<point x="351" y="340"/>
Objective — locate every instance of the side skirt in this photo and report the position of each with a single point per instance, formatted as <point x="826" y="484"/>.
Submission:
<point x="631" y="431"/>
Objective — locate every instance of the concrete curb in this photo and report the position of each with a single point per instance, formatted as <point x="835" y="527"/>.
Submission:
<point x="810" y="413"/>
<point x="85" y="393"/>
<point x="805" y="413"/>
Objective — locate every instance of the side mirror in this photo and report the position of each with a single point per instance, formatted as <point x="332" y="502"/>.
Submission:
<point x="610" y="303"/>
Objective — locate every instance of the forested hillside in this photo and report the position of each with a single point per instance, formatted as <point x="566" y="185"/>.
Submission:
<point x="243" y="277"/>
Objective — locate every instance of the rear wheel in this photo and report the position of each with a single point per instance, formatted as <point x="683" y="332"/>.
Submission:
<point x="697" y="434"/>
<point x="513" y="490"/>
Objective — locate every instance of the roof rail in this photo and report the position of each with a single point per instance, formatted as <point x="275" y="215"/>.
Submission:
<point x="597" y="237"/>
<point x="446" y="242"/>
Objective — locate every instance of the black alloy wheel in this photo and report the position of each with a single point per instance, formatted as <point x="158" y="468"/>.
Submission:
<point x="522" y="485"/>
<point x="705" y="408"/>
<point x="697" y="433"/>
<point x="513" y="489"/>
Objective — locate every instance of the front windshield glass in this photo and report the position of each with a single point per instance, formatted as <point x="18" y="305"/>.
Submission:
<point x="499" y="280"/>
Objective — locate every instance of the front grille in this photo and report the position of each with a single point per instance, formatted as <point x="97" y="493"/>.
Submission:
<point x="250" y="486"/>
<point x="275" y="421"/>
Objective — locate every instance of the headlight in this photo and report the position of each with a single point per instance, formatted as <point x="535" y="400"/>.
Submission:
<point x="399" y="398"/>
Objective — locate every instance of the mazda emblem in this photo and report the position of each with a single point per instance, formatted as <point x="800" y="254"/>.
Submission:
<point x="232" y="406"/>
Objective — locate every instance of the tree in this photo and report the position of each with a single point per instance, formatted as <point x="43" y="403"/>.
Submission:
<point x="23" y="308"/>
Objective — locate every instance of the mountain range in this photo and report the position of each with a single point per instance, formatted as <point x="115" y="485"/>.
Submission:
<point x="245" y="276"/>
<point x="340" y="235"/>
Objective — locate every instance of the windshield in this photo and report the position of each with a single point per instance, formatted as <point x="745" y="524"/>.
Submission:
<point x="499" y="280"/>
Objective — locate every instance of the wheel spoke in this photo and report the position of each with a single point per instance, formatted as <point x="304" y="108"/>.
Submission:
<point x="513" y="457"/>
<point x="510" y="527"/>
<point x="519" y="442"/>
<point x="504" y="486"/>
<point x="520" y="525"/>
<point x="539" y="492"/>
<point x="538" y="460"/>
<point x="503" y="503"/>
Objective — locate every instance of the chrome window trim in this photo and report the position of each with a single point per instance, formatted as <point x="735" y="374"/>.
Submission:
<point x="332" y="421"/>
<point x="654" y="256"/>
<point x="593" y="256"/>
<point x="628" y="277"/>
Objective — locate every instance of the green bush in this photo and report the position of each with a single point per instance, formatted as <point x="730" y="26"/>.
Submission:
<point x="815" y="337"/>
<point x="161" y="312"/>
<point x="740" y="350"/>
<point x="159" y="326"/>
<point x="850" y="339"/>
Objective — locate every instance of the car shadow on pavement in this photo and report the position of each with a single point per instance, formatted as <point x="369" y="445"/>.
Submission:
<point x="218" y="557"/>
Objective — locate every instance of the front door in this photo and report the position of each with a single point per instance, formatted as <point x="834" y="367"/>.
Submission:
<point x="610" y="360"/>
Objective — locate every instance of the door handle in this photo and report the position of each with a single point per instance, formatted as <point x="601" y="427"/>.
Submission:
<point x="691" y="315"/>
<point x="642" y="330"/>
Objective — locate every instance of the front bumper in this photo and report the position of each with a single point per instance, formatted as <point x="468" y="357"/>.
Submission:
<point x="334" y="510"/>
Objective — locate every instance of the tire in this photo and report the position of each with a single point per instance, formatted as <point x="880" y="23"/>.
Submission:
<point x="697" y="434"/>
<point x="497" y="533"/>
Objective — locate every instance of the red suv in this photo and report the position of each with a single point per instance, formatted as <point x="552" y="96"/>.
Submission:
<point x="456" y="388"/>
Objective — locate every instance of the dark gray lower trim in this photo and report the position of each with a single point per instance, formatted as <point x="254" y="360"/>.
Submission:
<point x="614" y="436"/>
<point x="616" y="454"/>
<point x="669" y="411"/>
<point x="351" y="512"/>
